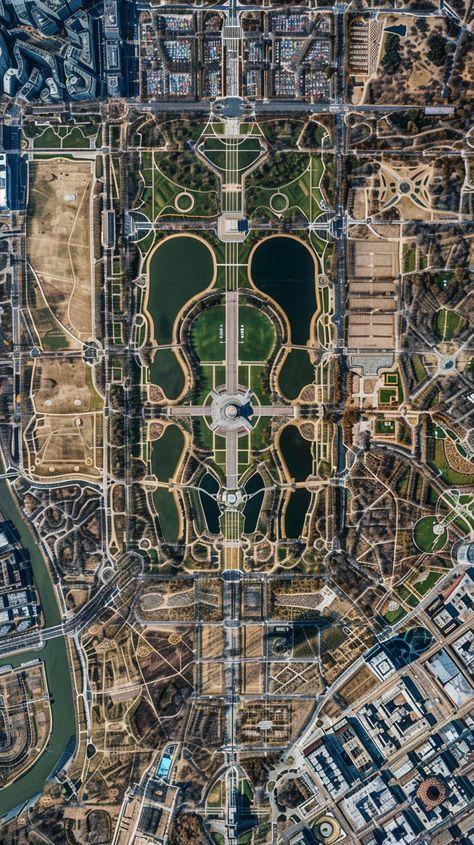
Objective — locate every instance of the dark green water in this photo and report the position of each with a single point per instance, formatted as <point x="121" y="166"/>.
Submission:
<point x="166" y="452"/>
<point x="209" y="484"/>
<point x="56" y="662"/>
<point x="165" y="455"/>
<point x="63" y="732"/>
<point x="296" y="453"/>
<point x="179" y="269"/>
<point x="167" y="373"/>
<point x="283" y="268"/>
<point x="296" y="372"/>
<point x="296" y="512"/>
<point x="9" y="510"/>
<point x="168" y="514"/>
<point x="253" y="506"/>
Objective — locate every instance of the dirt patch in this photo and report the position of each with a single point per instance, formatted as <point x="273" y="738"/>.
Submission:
<point x="252" y="636"/>
<point x="58" y="239"/>
<point x="212" y="641"/>
<point x="411" y="75"/>
<point x="60" y="445"/>
<point x="455" y="460"/>
<point x="361" y="683"/>
<point x="374" y="258"/>
<point x="63" y="387"/>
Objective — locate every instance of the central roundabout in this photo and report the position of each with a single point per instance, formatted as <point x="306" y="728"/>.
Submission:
<point x="231" y="412"/>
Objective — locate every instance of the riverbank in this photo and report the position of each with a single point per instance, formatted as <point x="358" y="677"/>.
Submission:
<point x="58" y="674"/>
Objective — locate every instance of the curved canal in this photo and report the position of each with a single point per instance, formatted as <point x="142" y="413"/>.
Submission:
<point x="179" y="268"/>
<point x="55" y="658"/>
<point x="284" y="268"/>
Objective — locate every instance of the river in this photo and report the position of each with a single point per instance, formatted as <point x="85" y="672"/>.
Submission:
<point x="54" y="655"/>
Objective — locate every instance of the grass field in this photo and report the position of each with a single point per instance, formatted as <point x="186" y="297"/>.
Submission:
<point x="425" y="538"/>
<point x="54" y="341"/>
<point x="418" y="367"/>
<point x="423" y="587"/>
<point x="393" y="616"/>
<point x="388" y="396"/>
<point x="208" y="334"/>
<point x="64" y="137"/>
<point x="300" y="194"/>
<point x="236" y="155"/>
<point x="440" y="462"/>
<point x="409" y="258"/>
<point x="162" y="196"/>
<point x="256" y="334"/>
<point x="385" y="426"/>
<point x="448" y="323"/>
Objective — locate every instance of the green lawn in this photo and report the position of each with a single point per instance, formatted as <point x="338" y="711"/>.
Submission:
<point x="49" y="140"/>
<point x="55" y="341"/>
<point x="393" y="616"/>
<point x="385" y="427"/>
<point x="165" y="191"/>
<point x="424" y="536"/>
<point x="222" y="154"/>
<point x="63" y="137"/>
<point x="409" y="258"/>
<point x="388" y="396"/>
<point x="423" y="587"/>
<point x="202" y="435"/>
<point x="444" y="279"/>
<point x="208" y="334"/>
<point x="261" y="434"/>
<point x="246" y="789"/>
<point x="206" y="382"/>
<point x="256" y="334"/>
<point x="279" y="202"/>
<point x="418" y="367"/>
<point x="259" y="383"/>
<point x="76" y="139"/>
<point x="448" y="323"/>
<point x="302" y="192"/>
<point x="439" y="461"/>
<point x="412" y="601"/>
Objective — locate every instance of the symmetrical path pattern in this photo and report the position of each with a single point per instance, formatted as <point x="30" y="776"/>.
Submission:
<point x="239" y="421"/>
